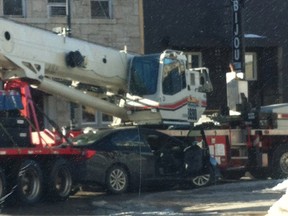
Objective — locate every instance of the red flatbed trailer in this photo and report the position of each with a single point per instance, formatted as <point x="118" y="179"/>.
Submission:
<point x="33" y="164"/>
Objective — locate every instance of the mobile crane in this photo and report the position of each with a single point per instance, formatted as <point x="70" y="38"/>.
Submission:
<point x="149" y="88"/>
<point x="154" y="89"/>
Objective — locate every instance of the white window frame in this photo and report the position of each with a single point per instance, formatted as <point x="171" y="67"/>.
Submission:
<point x="190" y="55"/>
<point x="97" y="121"/>
<point x="23" y="10"/>
<point x="52" y="5"/>
<point x="106" y="122"/>
<point x="251" y="70"/>
<point x="109" y="9"/>
<point x="88" y="122"/>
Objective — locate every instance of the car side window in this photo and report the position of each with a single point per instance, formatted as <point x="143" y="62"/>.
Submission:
<point x="102" y="145"/>
<point x="127" y="140"/>
<point x="155" y="140"/>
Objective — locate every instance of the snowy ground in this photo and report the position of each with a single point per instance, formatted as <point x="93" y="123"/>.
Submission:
<point x="247" y="197"/>
<point x="280" y="207"/>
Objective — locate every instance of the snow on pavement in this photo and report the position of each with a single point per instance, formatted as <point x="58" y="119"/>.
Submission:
<point x="280" y="207"/>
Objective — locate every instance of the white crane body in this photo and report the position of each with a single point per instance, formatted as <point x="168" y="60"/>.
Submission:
<point x="155" y="88"/>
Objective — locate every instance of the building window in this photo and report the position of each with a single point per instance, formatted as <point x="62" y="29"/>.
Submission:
<point x="194" y="60"/>
<point x="106" y="118"/>
<point x="88" y="117"/>
<point x="13" y="7"/>
<point x="101" y="9"/>
<point x="92" y="117"/>
<point x="250" y="66"/>
<point x="56" y="8"/>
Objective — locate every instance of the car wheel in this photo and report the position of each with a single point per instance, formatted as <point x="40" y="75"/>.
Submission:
<point x="204" y="180"/>
<point x="117" y="180"/>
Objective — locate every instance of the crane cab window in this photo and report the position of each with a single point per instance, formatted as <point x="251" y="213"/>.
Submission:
<point x="144" y="75"/>
<point x="192" y="79"/>
<point x="174" y="79"/>
<point x="194" y="59"/>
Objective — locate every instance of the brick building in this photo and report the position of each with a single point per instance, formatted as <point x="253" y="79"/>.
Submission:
<point x="114" y="23"/>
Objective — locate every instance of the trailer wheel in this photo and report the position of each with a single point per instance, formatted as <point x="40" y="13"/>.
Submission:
<point x="280" y="162"/>
<point x="2" y="185"/>
<point x="117" y="180"/>
<point x="29" y="182"/>
<point x="60" y="181"/>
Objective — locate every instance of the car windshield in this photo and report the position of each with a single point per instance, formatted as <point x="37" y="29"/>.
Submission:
<point x="89" y="138"/>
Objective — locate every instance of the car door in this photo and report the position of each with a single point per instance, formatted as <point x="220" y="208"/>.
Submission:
<point x="171" y="160"/>
<point x="168" y="153"/>
<point x="140" y="159"/>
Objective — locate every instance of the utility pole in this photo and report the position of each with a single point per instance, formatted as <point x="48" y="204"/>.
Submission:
<point x="68" y="13"/>
<point x="73" y="106"/>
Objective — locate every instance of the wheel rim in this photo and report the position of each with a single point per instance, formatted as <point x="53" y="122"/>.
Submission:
<point x="201" y="180"/>
<point x="118" y="179"/>
<point x="284" y="163"/>
<point x="29" y="184"/>
<point x="63" y="182"/>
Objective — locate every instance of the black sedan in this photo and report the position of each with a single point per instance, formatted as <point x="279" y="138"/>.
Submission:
<point x="124" y="158"/>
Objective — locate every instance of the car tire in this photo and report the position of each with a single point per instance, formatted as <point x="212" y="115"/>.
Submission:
<point x="29" y="182"/>
<point x="60" y="181"/>
<point x="117" y="180"/>
<point x="204" y="180"/>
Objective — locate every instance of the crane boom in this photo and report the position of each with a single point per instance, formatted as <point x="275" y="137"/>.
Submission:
<point x="26" y="47"/>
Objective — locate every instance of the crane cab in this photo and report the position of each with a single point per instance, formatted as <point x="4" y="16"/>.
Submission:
<point x="162" y="83"/>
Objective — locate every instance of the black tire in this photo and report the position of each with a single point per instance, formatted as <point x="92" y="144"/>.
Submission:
<point x="2" y="185"/>
<point x="29" y="182"/>
<point x="60" y="181"/>
<point x="117" y="180"/>
<point x="280" y="162"/>
<point x="204" y="180"/>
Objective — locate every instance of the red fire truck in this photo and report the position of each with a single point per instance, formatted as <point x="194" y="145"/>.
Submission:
<point x="245" y="139"/>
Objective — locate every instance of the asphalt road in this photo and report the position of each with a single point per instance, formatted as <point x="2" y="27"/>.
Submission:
<point x="248" y="197"/>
